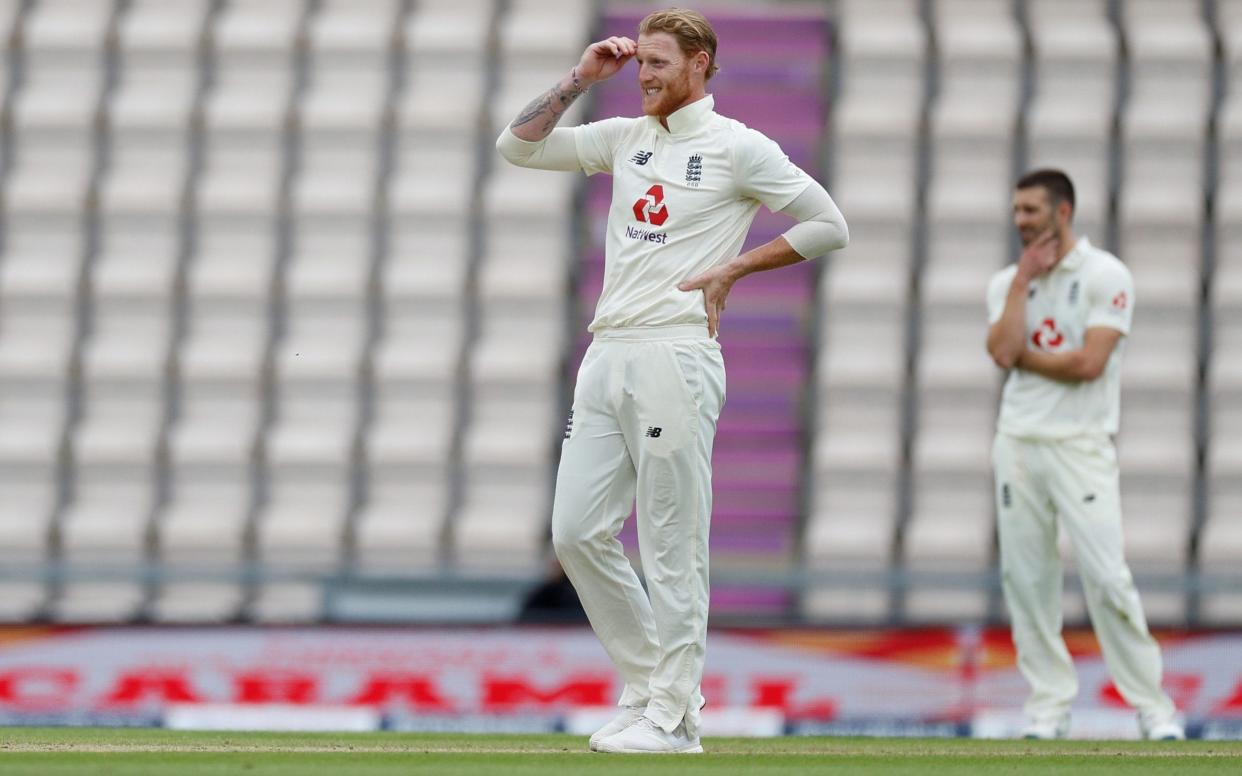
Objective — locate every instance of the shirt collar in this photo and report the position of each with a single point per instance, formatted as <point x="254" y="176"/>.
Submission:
<point x="687" y="119"/>
<point x="1074" y="259"/>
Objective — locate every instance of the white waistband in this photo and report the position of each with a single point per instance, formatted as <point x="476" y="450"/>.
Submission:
<point x="685" y="331"/>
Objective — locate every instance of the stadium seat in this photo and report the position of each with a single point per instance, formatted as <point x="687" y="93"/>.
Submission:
<point x="1163" y="145"/>
<point x="287" y="602"/>
<point x="249" y="27"/>
<point x="203" y="525"/>
<point x="542" y="33"/>
<point x="98" y="602"/>
<point x="972" y="145"/>
<point x="883" y="50"/>
<point x="956" y="420"/>
<point x="1170" y="51"/>
<point x="212" y="450"/>
<point x="949" y="538"/>
<point x="197" y="602"/>
<point x="54" y="108"/>
<point x="342" y="112"/>
<point x="37" y="334"/>
<point x="526" y="256"/>
<point x="409" y="442"/>
<point x="515" y="367"/>
<point x="1229" y="28"/>
<point x="950" y="524"/>
<point x="159" y="47"/>
<point x="968" y="239"/>
<point x="354" y="31"/>
<point x="513" y="419"/>
<point x="854" y="508"/>
<point x="29" y="493"/>
<point x="850" y="532"/>
<point x="448" y="34"/>
<point x="108" y="519"/>
<point x="501" y="526"/>
<point x="1161" y="351"/>
<point x="1075" y="49"/>
<point x="874" y="169"/>
<point x="10" y="15"/>
<point x="871" y="270"/>
<point x="876" y="154"/>
<point x="1220" y="551"/>
<point x="952" y="351"/>
<point x="980" y="47"/>
<point x="862" y="347"/>
<point x="1069" y="124"/>
<point x="22" y="601"/>
<point x="246" y="113"/>
<point x="123" y="383"/>
<point x="311" y="452"/>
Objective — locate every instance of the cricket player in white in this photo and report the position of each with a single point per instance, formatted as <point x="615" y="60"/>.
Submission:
<point x="687" y="183"/>
<point x="1057" y="321"/>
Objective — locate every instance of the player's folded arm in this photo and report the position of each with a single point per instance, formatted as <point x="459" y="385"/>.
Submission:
<point x="1078" y="365"/>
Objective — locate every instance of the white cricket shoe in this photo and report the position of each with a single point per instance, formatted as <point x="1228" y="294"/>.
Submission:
<point x="646" y="737"/>
<point x="1159" y="727"/>
<point x="1047" y="728"/>
<point x="628" y="716"/>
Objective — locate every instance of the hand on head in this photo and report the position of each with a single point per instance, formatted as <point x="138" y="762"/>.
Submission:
<point x="605" y="58"/>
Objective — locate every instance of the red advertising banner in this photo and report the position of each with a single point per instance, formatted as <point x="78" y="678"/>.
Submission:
<point x="810" y="676"/>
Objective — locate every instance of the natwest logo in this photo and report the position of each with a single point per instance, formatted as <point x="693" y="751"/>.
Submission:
<point x="650" y="208"/>
<point x="1047" y="335"/>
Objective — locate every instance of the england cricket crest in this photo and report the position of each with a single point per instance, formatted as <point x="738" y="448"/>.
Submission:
<point x="694" y="170"/>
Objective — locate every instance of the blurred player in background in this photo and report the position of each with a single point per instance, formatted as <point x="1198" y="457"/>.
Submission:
<point x="1057" y="321"/>
<point x="687" y="183"/>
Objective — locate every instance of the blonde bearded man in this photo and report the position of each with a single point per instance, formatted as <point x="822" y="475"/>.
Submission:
<point x="687" y="183"/>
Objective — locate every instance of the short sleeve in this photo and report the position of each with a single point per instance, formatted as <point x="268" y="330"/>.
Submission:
<point x="765" y="173"/>
<point x="1110" y="294"/>
<point x="598" y="141"/>
<point x="998" y="291"/>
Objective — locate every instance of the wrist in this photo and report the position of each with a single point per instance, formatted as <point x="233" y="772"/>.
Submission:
<point x="579" y="82"/>
<point x="736" y="269"/>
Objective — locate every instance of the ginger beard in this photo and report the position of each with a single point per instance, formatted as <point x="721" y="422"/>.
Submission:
<point x="663" y="74"/>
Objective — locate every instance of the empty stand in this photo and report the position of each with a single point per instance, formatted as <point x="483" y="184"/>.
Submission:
<point x="272" y="311"/>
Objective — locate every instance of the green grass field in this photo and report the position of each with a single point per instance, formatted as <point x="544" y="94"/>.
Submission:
<point x="48" y="752"/>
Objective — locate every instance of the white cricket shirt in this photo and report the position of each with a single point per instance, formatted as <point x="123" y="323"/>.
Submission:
<point x="1088" y="288"/>
<point x="683" y="199"/>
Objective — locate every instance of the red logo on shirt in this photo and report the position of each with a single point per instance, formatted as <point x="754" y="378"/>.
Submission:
<point x="1120" y="301"/>
<point x="650" y="208"/>
<point x="1047" y="336"/>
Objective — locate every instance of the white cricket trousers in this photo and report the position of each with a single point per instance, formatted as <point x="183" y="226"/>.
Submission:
<point x="1073" y="482"/>
<point x="642" y="426"/>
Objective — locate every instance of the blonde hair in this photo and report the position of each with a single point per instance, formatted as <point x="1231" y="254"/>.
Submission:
<point x="691" y="29"/>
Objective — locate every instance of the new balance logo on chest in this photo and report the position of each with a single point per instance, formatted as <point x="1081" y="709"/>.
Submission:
<point x="641" y="158"/>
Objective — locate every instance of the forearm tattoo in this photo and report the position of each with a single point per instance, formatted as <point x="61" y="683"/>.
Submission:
<point x="552" y="104"/>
